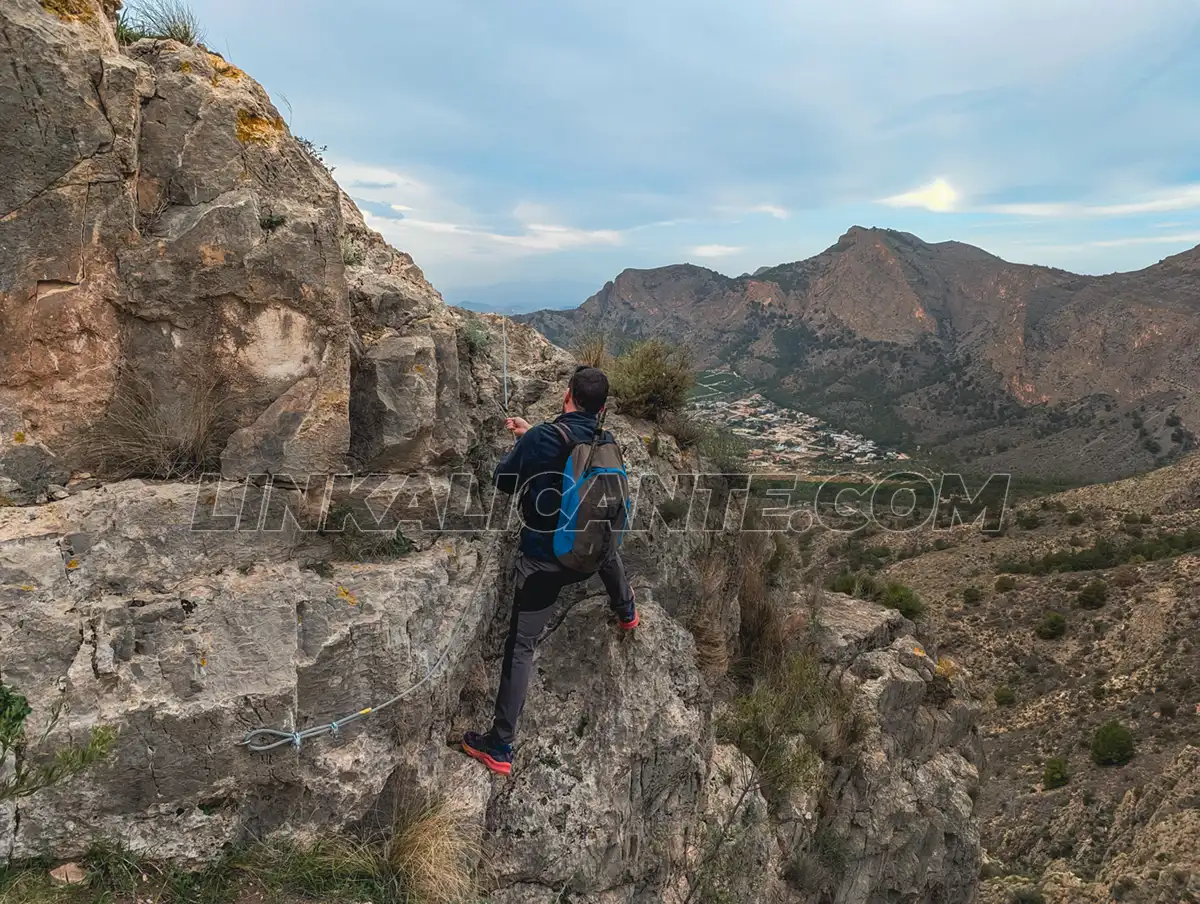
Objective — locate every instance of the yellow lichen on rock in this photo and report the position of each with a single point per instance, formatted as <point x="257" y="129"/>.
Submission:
<point x="223" y="69"/>
<point x="71" y="10"/>
<point x="254" y="129"/>
<point x="185" y="66"/>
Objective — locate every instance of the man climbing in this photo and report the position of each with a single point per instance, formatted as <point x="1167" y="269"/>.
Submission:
<point x="535" y="467"/>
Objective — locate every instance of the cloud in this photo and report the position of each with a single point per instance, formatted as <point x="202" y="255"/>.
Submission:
<point x="939" y="196"/>
<point x="709" y="251"/>
<point x="1182" y="197"/>
<point x="774" y="210"/>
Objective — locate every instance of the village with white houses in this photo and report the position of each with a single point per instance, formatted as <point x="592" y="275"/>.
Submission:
<point x="778" y="436"/>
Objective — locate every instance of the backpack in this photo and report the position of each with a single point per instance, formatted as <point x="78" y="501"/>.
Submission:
<point x="594" y="507"/>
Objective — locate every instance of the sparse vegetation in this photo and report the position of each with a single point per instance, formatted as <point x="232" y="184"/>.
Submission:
<point x="168" y="20"/>
<point x="1005" y="583"/>
<point x="127" y="29"/>
<point x="1093" y="595"/>
<point x="33" y="768"/>
<point x="892" y="594"/>
<point x="792" y="700"/>
<point x="1052" y="626"/>
<point x="1074" y="518"/>
<point x="1107" y="553"/>
<point x="354" y="543"/>
<point x="1026" y="895"/>
<point x="652" y="380"/>
<point x="972" y="595"/>
<point x="1055" y="774"/>
<point x="1005" y="696"/>
<point x="593" y="352"/>
<point x="145" y="434"/>
<point x="687" y="431"/>
<point x="316" y="153"/>
<point x="353" y="254"/>
<point x="271" y="221"/>
<point x="1112" y="745"/>
<point x="428" y="855"/>
<point x="1028" y="521"/>
<point x="476" y="335"/>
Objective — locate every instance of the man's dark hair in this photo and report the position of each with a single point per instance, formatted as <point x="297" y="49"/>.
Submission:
<point x="589" y="388"/>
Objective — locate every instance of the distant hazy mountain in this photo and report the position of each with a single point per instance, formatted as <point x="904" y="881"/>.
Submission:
<point x="521" y="297"/>
<point x="1003" y="366"/>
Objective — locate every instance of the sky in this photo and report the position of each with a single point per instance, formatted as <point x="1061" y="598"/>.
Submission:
<point x="527" y="152"/>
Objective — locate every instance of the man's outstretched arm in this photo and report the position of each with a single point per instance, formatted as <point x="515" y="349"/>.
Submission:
<point x="513" y="468"/>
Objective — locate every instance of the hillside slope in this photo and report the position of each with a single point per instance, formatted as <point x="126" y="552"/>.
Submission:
<point x="985" y="362"/>
<point x="1125" y="577"/>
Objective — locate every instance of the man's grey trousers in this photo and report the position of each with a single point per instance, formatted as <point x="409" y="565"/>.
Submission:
<point x="538" y="584"/>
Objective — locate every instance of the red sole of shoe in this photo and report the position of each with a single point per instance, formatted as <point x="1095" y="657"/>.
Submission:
<point x="495" y="765"/>
<point x="633" y="624"/>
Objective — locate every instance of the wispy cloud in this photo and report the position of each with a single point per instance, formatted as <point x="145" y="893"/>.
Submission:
<point x="939" y="196"/>
<point x="712" y="251"/>
<point x="1183" y="197"/>
<point x="416" y="215"/>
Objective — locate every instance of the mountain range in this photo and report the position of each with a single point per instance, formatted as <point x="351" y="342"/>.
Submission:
<point x="940" y="347"/>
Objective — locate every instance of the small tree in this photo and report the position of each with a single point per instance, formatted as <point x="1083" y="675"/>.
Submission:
<point x="1055" y="774"/>
<point x="31" y="773"/>
<point x="1112" y="745"/>
<point x="652" y="380"/>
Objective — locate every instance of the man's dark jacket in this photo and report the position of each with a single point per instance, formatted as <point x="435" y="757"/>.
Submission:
<point x="534" y="467"/>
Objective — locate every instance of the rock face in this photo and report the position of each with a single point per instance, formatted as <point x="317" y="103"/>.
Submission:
<point x="188" y="290"/>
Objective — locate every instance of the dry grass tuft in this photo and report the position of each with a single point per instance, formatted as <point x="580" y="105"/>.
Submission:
<point x="594" y="352"/>
<point x="144" y="435"/>
<point x="427" y="856"/>
<point x="168" y="20"/>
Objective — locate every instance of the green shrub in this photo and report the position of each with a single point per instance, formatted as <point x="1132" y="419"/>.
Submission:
<point x="1107" y="553"/>
<point x="170" y="20"/>
<point x="1112" y="745"/>
<point x="1093" y="595"/>
<point x="1028" y="521"/>
<point x="1074" y="518"/>
<point x="30" y="771"/>
<point x="1052" y="627"/>
<point x="352" y="253"/>
<point x="271" y="221"/>
<point x="898" y="596"/>
<point x="972" y="595"/>
<point x="652" y="380"/>
<point x="476" y="336"/>
<point x="1005" y="696"/>
<point x="793" y="699"/>
<point x="893" y="594"/>
<point x="1005" y="583"/>
<point x="1055" y="774"/>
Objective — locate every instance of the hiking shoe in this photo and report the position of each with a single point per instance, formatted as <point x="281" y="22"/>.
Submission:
<point x="627" y="616"/>
<point x="489" y="751"/>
